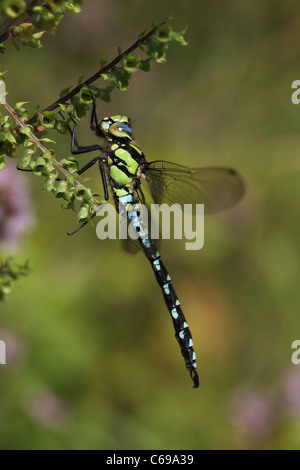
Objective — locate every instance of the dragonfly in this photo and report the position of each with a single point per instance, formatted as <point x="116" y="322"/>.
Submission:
<point x="125" y="173"/>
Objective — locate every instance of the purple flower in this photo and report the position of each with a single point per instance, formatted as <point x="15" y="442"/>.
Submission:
<point x="16" y="351"/>
<point x="47" y="408"/>
<point x="253" y="413"/>
<point x="16" y="215"/>
<point x="291" y="391"/>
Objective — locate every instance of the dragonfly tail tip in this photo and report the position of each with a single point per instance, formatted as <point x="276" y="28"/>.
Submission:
<point x="195" y="378"/>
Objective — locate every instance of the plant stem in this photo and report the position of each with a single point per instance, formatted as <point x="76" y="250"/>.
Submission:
<point x="8" y="26"/>
<point x="93" y="78"/>
<point x="43" y="149"/>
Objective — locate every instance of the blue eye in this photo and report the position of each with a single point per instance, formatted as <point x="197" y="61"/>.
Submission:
<point x="121" y="129"/>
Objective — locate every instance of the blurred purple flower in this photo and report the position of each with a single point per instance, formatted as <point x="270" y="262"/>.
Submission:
<point x="291" y="391"/>
<point x="16" y="214"/>
<point x="47" y="408"/>
<point x="253" y="413"/>
<point x="16" y="350"/>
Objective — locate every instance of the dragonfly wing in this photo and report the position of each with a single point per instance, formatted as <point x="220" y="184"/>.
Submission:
<point x="218" y="188"/>
<point x="131" y="246"/>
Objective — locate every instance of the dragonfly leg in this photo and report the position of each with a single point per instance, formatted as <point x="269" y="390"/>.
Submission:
<point x="103" y="176"/>
<point x="94" y="124"/>
<point x="80" y="148"/>
<point x="82" y="225"/>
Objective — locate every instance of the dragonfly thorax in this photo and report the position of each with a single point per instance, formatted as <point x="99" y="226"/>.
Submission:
<point x="116" y="128"/>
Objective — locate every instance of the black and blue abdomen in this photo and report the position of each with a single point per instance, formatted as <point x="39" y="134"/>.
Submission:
<point x="126" y="170"/>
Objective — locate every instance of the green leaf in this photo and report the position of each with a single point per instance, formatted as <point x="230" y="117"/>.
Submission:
<point x="79" y="108"/>
<point x="156" y="49"/>
<point x="3" y="136"/>
<point x="26" y="131"/>
<point x="103" y="93"/>
<point x="15" y="8"/>
<point x="81" y="79"/>
<point x="15" y="44"/>
<point x="10" y="272"/>
<point x="104" y="61"/>
<point x="47" y="141"/>
<point x="86" y="95"/>
<point x="19" y="106"/>
<point x="61" y="126"/>
<point x="71" y="164"/>
<point x="11" y="138"/>
<point x="163" y="33"/>
<point x="120" y="78"/>
<point x="45" y="19"/>
<point x="24" y="31"/>
<point x="47" y="155"/>
<point x="40" y="163"/>
<point x="179" y="37"/>
<point x="26" y="159"/>
<point x="28" y="143"/>
<point x="83" y="214"/>
<point x="38" y="35"/>
<point x="62" y="107"/>
<point x="145" y="65"/>
<point x="87" y="195"/>
<point x="62" y="190"/>
<point x="65" y="91"/>
<point x="2" y="162"/>
<point x="47" y="119"/>
<point x="80" y="191"/>
<point x="34" y="43"/>
<point x="131" y="62"/>
<point x="68" y="204"/>
<point x="72" y="7"/>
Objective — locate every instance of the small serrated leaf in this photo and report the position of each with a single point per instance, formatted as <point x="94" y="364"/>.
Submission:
<point x="47" y="141"/>
<point x="104" y="61"/>
<point x="81" y="79"/>
<point x="65" y="91"/>
<point x="26" y="131"/>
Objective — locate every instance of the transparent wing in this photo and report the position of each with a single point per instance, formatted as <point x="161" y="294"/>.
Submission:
<point x="131" y="246"/>
<point x="216" y="187"/>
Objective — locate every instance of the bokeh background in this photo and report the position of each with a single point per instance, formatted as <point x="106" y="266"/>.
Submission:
<point x="92" y="362"/>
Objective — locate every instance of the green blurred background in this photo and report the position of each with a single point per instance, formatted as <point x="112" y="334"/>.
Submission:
<point x="92" y="359"/>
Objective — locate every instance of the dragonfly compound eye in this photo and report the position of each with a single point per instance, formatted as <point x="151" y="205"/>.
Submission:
<point x="121" y="130"/>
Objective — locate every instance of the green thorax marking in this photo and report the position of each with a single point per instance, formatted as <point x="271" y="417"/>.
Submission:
<point x="125" y="156"/>
<point x="117" y="118"/>
<point x="125" y="160"/>
<point x="119" y="176"/>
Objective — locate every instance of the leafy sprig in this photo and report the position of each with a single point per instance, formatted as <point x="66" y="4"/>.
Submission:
<point x="60" y="176"/>
<point x="9" y="273"/>
<point x="26" y="22"/>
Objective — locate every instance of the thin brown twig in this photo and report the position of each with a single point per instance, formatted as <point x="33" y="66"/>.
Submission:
<point x="10" y="32"/>
<point x="105" y="69"/>
<point x="9" y="26"/>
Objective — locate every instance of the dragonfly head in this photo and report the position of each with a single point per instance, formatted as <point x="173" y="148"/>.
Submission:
<point x="116" y="128"/>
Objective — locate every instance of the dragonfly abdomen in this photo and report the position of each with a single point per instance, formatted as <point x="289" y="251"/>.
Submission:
<point x="126" y="199"/>
<point x="123" y="165"/>
<point x="182" y="331"/>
